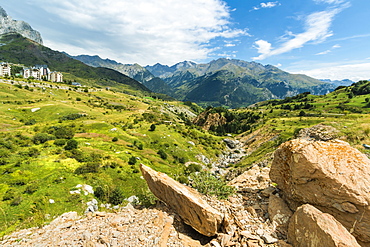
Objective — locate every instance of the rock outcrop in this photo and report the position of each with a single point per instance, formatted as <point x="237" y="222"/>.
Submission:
<point x="332" y="176"/>
<point x="185" y="201"/>
<point x="8" y="25"/>
<point x="309" y="227"/>
<point x="319" y="132"/>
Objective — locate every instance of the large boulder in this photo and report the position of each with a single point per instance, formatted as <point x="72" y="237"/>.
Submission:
<point x="332" y="176"/>
<point x="309" y="227"/>
<point x="185" y="201"/>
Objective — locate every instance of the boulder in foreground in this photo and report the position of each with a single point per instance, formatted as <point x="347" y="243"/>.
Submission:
<point x="186" y="202"/>
<point x="309" y="227"/>
<point x="332" y="176"/>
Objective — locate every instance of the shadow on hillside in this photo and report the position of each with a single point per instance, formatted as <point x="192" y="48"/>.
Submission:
<point x="183" y="228"/>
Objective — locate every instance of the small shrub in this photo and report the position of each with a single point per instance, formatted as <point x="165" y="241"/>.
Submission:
<point x="71" y="144"/>
<point x="60" y="142"/>
<point x="132" y="160"/>
<point x="30" y="122"/>
<point x="208" y="184"/>
<point x="115" y="139"/>
<point x="40" y="138"/>
<point x="116" y="197"/>
<point x="91" y="167"/>
<point x="100" y="193"/>
<point x="162" y="154"/>
<point x="183" y="180"/>
<point x="16" y="201"/>
<point x="152" y="127"/>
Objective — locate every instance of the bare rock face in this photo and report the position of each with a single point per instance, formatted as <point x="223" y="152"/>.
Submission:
<point x="8" y="25"/>
<point x="185" y="201"/>
<point x="309" y="227"/>
<point x="332" y="176"/>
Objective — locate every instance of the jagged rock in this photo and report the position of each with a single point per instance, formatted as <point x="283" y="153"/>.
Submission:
<point x="309" y="227"/>
<point x="8" y="25"/>
<point x="332" y="176"/>
<point x="185" y="201"/>
<point x="279" y="213"/>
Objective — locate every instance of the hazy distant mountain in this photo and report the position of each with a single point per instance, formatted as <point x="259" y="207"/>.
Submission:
<point x="337" y="83"/>
<point x="135" y="71"/>
<point x="8" y="25"/>
<point x="233" y="83"/>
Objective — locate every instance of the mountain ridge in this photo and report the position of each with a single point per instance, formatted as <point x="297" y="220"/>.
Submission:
<point x="241" y="84"/>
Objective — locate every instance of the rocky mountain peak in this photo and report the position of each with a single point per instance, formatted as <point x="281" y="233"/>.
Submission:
<point x="3" y="12"/>
<point x="8" y="25"/>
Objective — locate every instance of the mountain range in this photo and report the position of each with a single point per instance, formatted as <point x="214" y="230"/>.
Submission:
<point x="222" y="82"/>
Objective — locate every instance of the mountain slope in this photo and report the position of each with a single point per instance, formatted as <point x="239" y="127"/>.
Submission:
<point x="19" y="50"/>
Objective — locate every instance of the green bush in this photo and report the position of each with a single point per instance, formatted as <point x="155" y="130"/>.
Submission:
<point x="152" y="127"/>
<point x="115" y="139"/>
<point x="132" y="160"/>
<point x="116" y="197"/>
<point x="64" y="133"/>
<point x="91" y="167"/>
<point x="60" y="142"/>
<point x="71" y="144"/>
<point x="208" y="184"/>
<point x="162" y="154"/>
<point x="183" y="179"/>
<point x="40" y="138"/>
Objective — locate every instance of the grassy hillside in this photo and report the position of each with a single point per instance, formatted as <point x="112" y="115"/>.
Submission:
<point x="53" y="139"/>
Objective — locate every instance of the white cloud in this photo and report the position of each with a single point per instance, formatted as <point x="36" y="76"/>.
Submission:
<point x="229" y="45"/>
<point x="146" y="31"/>
<point x="317" y="29"/>
<point x="269" y="4"/>
<point x="328" y="51"/>
<point x="354" y="71"/>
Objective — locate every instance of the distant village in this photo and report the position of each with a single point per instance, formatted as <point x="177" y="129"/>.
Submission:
<point x="37" y="72"/>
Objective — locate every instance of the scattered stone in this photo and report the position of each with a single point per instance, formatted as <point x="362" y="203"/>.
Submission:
<point x="332" y="176"/>
<point x="92" y="206"/>
<point x="185" y="201"/>
<point x="268" y="239"/>
<point x="231" y="143"/>
<point x="312" y="228"/>
<point x="132" y="199"/>
<point x="268" y="191"/>
<point x="35" y="109"/>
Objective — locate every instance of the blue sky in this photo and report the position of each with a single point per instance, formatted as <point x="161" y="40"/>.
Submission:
<point x="320" y="38"/>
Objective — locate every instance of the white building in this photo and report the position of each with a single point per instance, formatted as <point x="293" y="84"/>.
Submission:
<point x="32" y="72"/>
<point x="55" y="76"/>
<point x="5" y="69"/>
